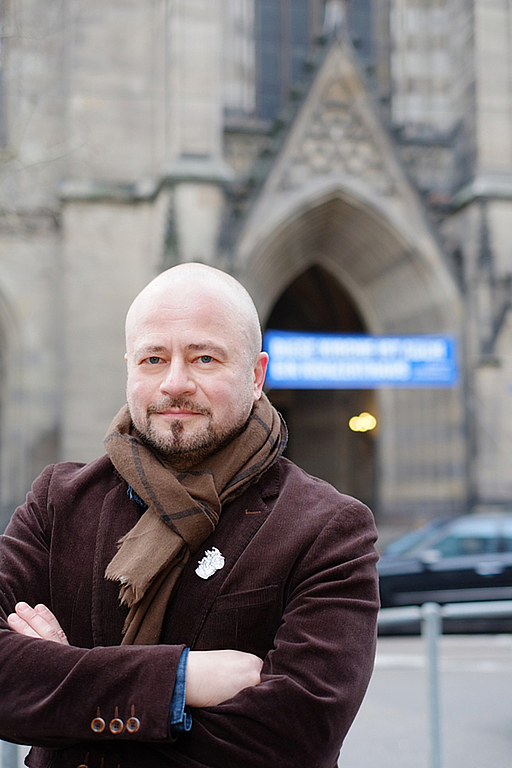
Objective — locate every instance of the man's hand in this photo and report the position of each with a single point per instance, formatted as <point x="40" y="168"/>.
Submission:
<point x="215" y="676"/>
<point x="37" y="622"/>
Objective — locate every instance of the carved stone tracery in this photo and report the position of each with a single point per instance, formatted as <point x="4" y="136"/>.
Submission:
<point x="336" y="141"/>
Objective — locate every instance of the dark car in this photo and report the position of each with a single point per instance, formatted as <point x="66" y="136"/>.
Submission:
<point x="465" y="559"/>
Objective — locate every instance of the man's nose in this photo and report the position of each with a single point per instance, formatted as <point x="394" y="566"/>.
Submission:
<point x="178" y="379"/>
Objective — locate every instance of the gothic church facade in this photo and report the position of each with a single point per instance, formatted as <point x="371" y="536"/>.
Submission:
<point x="349" y="161"/>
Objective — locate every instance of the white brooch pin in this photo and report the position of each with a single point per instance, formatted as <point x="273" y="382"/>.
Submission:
<point x="212" y="562"/>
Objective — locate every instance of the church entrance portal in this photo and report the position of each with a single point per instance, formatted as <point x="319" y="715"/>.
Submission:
<point x="321" y="441"/>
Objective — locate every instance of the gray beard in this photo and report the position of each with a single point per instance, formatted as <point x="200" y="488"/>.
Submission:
<point x="183" y="453"/>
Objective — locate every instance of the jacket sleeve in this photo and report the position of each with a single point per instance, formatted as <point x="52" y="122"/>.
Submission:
<point x="315" y="677"/>
<point x="50" y="692"/>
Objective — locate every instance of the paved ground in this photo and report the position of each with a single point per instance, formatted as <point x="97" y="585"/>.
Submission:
<point x="391" y="729"/>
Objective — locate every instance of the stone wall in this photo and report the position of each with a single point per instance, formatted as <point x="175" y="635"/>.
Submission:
<point x="118" y="159"/>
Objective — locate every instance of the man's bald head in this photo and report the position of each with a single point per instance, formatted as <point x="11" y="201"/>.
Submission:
<point x="200" y="282"/>
<point x="194" y="362"/>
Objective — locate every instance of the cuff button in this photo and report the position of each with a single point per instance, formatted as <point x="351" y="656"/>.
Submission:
<point x="98" y="725"/>
<point x="116" y="725"/>
<point x="132" y="724"/>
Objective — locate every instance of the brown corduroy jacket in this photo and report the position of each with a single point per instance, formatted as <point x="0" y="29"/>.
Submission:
<point x="298" y="588"/>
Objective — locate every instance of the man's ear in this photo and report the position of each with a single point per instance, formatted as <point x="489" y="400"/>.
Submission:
<point x="260" y="371"/>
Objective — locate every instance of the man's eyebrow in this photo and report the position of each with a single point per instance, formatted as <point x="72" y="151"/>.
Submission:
<point x="208" y="346"/>
<point x="205" y="347"/>
<point x="149" y="349"/>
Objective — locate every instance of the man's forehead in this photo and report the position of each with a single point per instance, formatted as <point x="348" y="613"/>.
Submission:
<point x="216" y="304"/>
<point x="203" y="327"/>
<point x="183" y="316"/>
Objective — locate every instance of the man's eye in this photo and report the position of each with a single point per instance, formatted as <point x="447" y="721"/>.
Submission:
<point x="205" y="359"/>
<point x="153" y="360"/>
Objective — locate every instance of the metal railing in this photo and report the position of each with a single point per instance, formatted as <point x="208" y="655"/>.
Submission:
<point x="431" y="616"/>
<point x="12" y="755"/>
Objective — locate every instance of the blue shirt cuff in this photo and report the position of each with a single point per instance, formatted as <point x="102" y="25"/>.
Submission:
<point x="181" y="719"/>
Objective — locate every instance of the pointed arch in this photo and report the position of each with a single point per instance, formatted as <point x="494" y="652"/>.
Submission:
<point x="368" y="248"/>
<point x="315" y="301"/>
<point x="396" y="286"/>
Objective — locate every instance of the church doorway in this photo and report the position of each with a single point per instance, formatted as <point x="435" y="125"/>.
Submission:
<point x="321" y="441"/>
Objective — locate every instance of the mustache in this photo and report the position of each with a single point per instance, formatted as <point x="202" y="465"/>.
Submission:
<point x="178" y="402"/>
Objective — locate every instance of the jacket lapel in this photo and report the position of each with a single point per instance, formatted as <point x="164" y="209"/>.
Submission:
<point x="118" y="515"/>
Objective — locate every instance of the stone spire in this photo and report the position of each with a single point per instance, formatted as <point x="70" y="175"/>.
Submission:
<point x="334" y="16"/>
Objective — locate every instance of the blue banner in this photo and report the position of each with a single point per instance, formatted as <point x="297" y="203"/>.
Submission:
<point x="355" y="361"/>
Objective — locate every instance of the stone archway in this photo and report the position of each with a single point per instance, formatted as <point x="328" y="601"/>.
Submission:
<point x="374" y="254"/>
<point x="397" y="284"/>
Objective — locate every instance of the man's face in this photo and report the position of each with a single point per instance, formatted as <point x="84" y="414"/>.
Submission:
<point x="190" y="385"/>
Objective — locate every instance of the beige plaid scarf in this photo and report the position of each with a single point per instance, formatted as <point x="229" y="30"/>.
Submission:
<point x="183" y="510"/>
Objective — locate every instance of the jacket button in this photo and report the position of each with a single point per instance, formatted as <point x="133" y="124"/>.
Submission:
<point x="132" y="724"/>
<point x="116" y="725"/>
<point x="98" y="725"/>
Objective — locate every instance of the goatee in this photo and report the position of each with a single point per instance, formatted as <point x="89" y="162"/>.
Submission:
<point x="175" y="447"/>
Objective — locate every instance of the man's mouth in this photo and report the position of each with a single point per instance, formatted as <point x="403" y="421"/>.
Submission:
<point x="178" y="410"/>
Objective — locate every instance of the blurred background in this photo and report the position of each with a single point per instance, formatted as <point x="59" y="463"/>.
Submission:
<point x="349" y="161"/>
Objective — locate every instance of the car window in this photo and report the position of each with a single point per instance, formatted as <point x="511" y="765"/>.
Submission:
<point x="475" y="536"/>
<point x="456" y="545"/>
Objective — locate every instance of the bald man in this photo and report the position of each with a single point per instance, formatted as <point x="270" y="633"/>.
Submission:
<point x="191" y="598"/>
